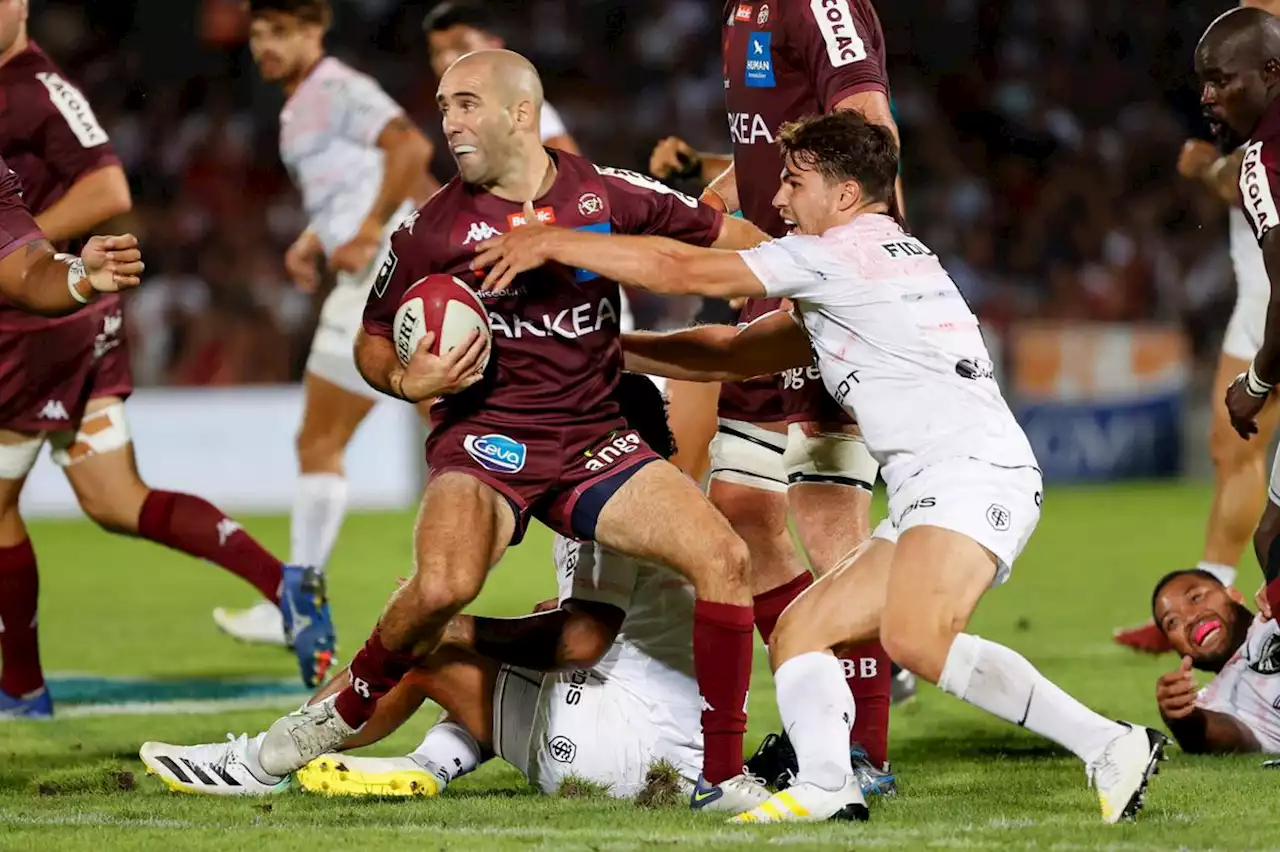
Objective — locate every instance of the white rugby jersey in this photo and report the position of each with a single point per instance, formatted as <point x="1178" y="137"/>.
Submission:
<point x="1248" y="687"/>
<point x="896" y="344"/>
<point x="329" y="132"/>
<point x="653" y="654"/>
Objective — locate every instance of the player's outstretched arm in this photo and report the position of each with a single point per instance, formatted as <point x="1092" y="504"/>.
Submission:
<point x="573" y="635"/>
<point x="39" y="280"/>
<point x="720" y="353"/>
<point x="722" y="192"/>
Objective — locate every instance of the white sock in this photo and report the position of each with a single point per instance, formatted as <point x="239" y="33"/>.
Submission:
<point x="1225" y="573"/>
<point x="817" y="713"/>
<point x="319" y="505"/>
<point x="1002" y="682"/>
<point x="252" y="764"/>
<point x="448" y="751"/>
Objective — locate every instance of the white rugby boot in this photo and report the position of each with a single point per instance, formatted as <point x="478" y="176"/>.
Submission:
<point x="807" y="802"/>
<point x="260" y="624"/>
<point x="1121" y="771"/>
<point x="230" y="768"/>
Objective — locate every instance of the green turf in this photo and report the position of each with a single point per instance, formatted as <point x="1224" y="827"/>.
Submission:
<point x="118" y="607"/>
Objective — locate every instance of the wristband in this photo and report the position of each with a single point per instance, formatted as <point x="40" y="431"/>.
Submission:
<point x="75" y="274"/>
<point x="1255" y="386"/>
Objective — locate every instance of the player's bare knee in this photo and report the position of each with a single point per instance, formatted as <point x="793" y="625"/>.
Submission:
<point x="319" y="451"/>
<point x="444" y="592"/>
<point x="1229" y="453"/>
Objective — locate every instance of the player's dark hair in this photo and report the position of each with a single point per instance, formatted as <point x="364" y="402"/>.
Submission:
<point x="459" y="13"/>
<point x="842" y="146"/>
<point x="310" y="11"/>
<point x="645" y="410"/>
<point x="1173" y="575"/>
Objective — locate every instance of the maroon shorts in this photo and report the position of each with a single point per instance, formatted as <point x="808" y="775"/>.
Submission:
<point x="561" y="475"/>
<point x="49" y="373"/>
<point x="805" y="398"/>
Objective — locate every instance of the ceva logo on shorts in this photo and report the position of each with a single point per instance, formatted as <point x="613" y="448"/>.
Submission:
<point x="496" y="452"/>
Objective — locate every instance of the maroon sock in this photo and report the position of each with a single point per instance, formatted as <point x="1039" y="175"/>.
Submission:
<point x="722" y="665"/>
<point x="199" y="528"/>
<point x="374" y="672"/>
<point x="869" y="674"/>
<point x="19" y="642"/>
<point x="768" y="606"/>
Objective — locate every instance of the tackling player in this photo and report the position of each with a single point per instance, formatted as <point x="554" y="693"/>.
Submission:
<point x="64" y="381"/>
<point x="361" y="167"/>
<point x="1238" y="62"/>
<point x="898" y="345"/>
<point x="1239" y="487"/>
<point x="538" y="434"/>
<point x="1207" y="623"/>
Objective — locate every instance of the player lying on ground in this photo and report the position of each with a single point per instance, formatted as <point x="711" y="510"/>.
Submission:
<point x="360" y="166"/>
<point x="64" y="381"/>
<point x="546" y="403"/>
<point x="37" y="279"/>
<point x="1239" y="465"/>
<point x="624" y="632"/>
<point x="1208" y="624"/>
<point x="899" y="347"/>
<point x="1238" y="62"/>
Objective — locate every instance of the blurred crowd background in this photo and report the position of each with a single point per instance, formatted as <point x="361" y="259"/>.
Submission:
<point x="1039" y="146"/>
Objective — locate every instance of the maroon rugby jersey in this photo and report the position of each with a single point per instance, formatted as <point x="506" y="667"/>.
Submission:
<point x="50" y="137"/>
<point x="754" y="400"/>
<point x="784" y="60"/>
<point x="556" y="356"/>
<point x="1260" y="174"/>
<point x="17" y="228"/>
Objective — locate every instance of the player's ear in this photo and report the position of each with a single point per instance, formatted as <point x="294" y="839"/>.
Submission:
<point x="850" y="194"/>
<point x="1235" y="594"/>
<point x="1271" y="70"/>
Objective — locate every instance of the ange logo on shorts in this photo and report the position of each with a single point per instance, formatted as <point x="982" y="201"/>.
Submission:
<point x="496" y="452"/>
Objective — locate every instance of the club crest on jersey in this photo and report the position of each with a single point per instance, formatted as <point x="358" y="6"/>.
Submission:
<point x="998" y="516"/>
<point x="760" y="61"/>
<point x="479" y="232"/>
<point x="744" y="12"/>
<point x="545" y="215"/>
<point x="763" y="17"/>
<point x="590" y="205"/>
<point x="496" y="452"/>
<point x="385" y="272"/>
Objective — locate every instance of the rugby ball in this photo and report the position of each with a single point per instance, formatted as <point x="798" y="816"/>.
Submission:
<point x="441" y="304"/>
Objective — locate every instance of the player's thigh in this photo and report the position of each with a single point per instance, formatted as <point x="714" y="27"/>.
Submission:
<point x="659" y="515"/>
<point x="831" y="520"/>
<point x="843" y="607"/>
<point x="463" y="528"/>
<point x="935" y="582"/>
<point x="99" y="462"/>
<point x="331" y="414"/>
<point x="691" y="411"/>
<point x="1226" y="448"/>
<point x="1266" y="538"/>
<point x="759" y="517"/>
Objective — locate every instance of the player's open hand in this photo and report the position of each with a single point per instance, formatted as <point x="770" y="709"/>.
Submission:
<point x="1196" y="157"/>
<point x="1176" y="692"/>
<point x="112" y="264"/>
<point x="1244" y="407"/>
<point x="302" y="259"/>
<point x="673" y="156"/>
<point x="502" y="258"/>
<point x="427" y="376"/>
<point x="355" y="255"/>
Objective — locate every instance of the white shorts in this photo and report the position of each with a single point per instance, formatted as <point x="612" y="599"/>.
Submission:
<point x="998" y="507"/>
<point x="578" y="724"/>
<point x="745" y="454"/>
<point x="1244" y="332"/>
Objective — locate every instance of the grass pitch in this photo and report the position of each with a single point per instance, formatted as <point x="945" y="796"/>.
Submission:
<point x="113" y="607"/>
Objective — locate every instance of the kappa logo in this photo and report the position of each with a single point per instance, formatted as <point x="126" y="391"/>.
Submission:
<point x="562" y="749"/>
<point x="496" y="452"/>
<point x="1268" y="662"/>
<point x="479" y="232"/>
<point x="410" y="221"/>
<point x="590" y="205"/>
<point x="226" y="529"/>
<point x="54" y="410"/>
<point x="998" y="516"/>
<point x="385" y="272"/>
